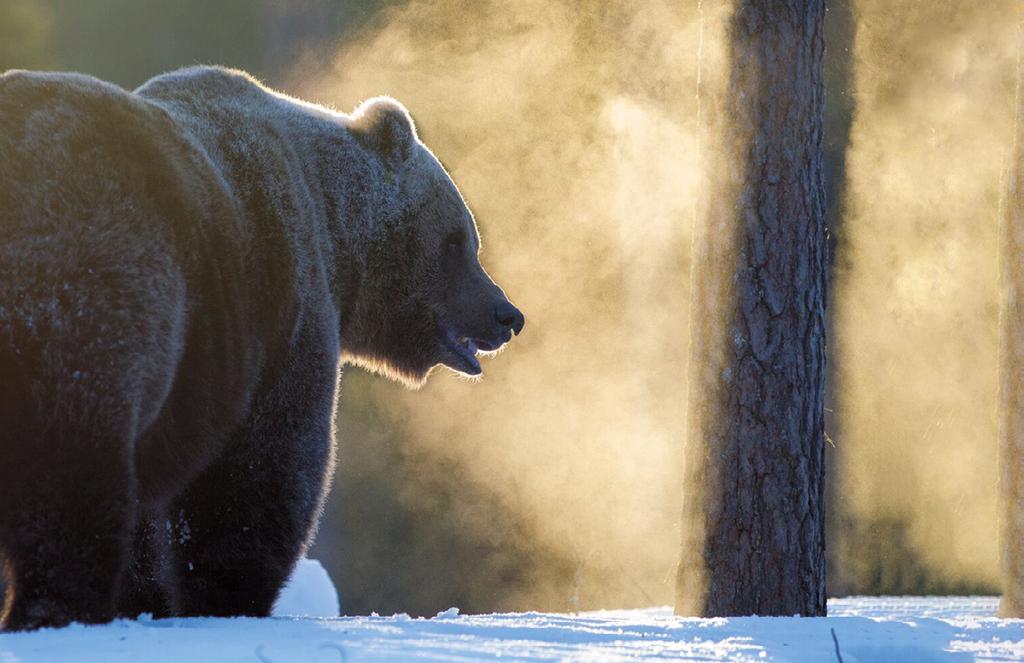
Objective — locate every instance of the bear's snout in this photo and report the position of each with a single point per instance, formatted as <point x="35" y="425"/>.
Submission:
<point x="509" y="319"/>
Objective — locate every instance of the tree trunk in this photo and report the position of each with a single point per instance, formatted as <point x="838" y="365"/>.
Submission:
<point x="840" y="30"/>
<point x="1011" y="367"/>
<point x="754" y="505"/>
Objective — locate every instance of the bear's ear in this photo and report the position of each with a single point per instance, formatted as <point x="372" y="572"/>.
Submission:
<point x="384" y="126"/>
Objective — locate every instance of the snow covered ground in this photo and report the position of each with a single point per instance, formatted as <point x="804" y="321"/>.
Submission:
<point x="889" y="630"/>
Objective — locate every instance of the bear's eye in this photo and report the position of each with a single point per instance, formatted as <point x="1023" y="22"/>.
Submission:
<point x="453" y="243"/>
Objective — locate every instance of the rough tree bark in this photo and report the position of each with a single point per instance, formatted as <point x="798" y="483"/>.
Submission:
<point x="754" y="539"/>
<point x="1011" y="367"/>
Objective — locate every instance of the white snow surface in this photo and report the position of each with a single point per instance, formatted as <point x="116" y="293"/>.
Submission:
<point x="869" y="629"/>
<point x="308" y="593"/>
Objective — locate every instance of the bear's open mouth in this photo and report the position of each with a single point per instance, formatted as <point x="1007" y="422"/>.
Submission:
<point x="461" y="353"/>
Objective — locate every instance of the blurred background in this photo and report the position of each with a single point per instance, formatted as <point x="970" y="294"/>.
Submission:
<point x="555" y="482"/>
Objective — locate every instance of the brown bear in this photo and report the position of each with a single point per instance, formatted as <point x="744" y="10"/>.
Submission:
<point x="183" y="269"/>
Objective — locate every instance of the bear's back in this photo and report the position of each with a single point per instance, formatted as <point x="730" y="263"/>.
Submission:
<point x="113" y="226"/>
<point x="77" y="150"/>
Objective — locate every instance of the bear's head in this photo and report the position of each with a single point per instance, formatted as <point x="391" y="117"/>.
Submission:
<point x="424" y="299"/>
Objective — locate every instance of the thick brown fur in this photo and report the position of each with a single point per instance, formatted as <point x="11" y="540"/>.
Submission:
<point x="182" y="269"/>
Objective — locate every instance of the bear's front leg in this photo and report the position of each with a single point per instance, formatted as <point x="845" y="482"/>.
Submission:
<point x="239" y="528"/>
<point x="146" y="587"/>
<point x="67" y="506"/>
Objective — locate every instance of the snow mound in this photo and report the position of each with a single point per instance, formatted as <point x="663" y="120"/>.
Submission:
<point x="308" y="593"/>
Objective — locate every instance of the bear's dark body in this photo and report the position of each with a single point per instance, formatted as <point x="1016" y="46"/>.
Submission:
<point x="184" y="342"/>
<point x="180" y="270"/>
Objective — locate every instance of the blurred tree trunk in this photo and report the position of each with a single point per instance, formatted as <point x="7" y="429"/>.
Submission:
<point x="840" y="30"/>
<point x="1011" y="366"/>
<point x="754" y="539"/>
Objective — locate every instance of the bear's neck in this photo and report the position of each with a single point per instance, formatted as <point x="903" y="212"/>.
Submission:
<point x="345" y="181"/>
<point x="305" y="185"/>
